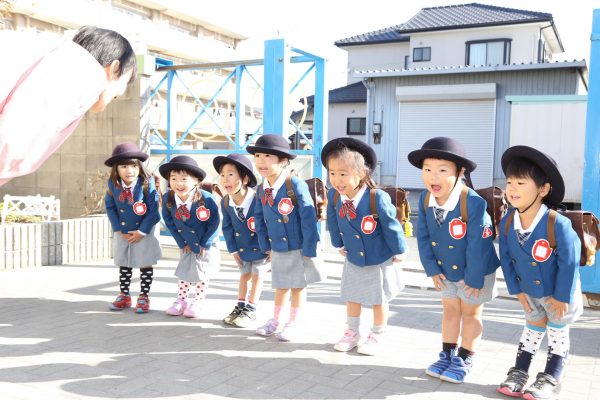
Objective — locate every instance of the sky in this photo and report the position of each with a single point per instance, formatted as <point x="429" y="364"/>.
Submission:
<point x="314" y="25"/>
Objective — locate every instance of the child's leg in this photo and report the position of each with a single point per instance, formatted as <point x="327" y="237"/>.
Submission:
<point x="125" y="274"/>
<point x="380" y="317"/>
<point x="372" y="346"/>
<point x="146" y="277"/>
<point x="297" y="299"/>
<point x="451" y="320"/>
<point x="558" y="349"/>
<point x="449" y="367"/>
<point x="270" y="327"/>
<point x="243" y="288"/>
<point x="472" y="328"/>
<point x="256" y="290"/>
<point x="352" y="334"/>
<point x="201" y="288"/>
<point x="184" y="288"/>
<point x="180" y="305"/>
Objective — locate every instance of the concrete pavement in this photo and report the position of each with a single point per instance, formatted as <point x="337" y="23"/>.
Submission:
<point x="58" y="340"/>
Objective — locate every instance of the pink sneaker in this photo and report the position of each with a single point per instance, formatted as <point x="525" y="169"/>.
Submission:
<point x="177" y="308"/>
<point x="269" y="328"/>
<point x="348" y="341"/>
<point x="193" y="310"/>
<point x="372" y="346"/>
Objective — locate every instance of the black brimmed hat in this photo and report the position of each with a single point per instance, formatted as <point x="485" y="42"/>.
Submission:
<point x="239" y="160"/>
<point x="545" y="163"/>
<point x="352" y="144"/>
<point x="182" y="163"/>
<point x="125" y="151"/>
<point x="442" y="148"/>
<point x="272" y="144"/>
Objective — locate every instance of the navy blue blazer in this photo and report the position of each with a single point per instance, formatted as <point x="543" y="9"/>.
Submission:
<point x="363" y="249"/>
<point x="556" y="276"/>
<point x="300" y="232"/>
<point x="240" y="236"/>
<point x="193" y="232"/>
<point x="469" y="258"/>
<point x="124" y="217"/>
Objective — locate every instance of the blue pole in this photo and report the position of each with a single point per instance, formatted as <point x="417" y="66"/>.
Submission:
<point x="240" y="108"/>
<point x="275" y="93"/>
<point x="590" y="276"/>
<point x="321" y="102"/>
<point x="171" y="101"/>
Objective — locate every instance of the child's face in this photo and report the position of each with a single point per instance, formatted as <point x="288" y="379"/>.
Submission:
<point x="182" y="183"/>
<point x="439" y="177"/>
<point x="268" y="165"/>
<point x="128" y="173"/>
<point x="115" y="87"/>
<point x="230" y="179"/>
<point x="522" y="191"/>
<point x="344" y="178"/>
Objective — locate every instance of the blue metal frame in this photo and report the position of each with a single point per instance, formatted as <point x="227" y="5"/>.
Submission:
<point x="590" y="276"/>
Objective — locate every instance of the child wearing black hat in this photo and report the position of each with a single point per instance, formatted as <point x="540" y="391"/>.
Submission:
<point x="544" y="279"/>
<point x="132" y="207"/>
<point x="237" y="207"/>
<point x="286" y="229"/>
<point x="372" y="244"/>
<point x="456" y="251"/>
<point x="192" y="216"/>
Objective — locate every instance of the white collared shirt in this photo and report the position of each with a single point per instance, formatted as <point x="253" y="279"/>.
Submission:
<point x="246" y="202"/>
<point x="188" y="202"/>
<point x="130" y="187"/>
<point x="538" y="217"/>
<point x="452" y="201"/>
<point x="278" y="183"/>
<point x="356" y="199"/>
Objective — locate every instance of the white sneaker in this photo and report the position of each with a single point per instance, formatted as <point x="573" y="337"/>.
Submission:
<point x="289" y="333"/>
<point x="372" y="346"/>
<point x="348" y="341"/>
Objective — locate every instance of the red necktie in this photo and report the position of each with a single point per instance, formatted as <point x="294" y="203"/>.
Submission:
<point x="182" y="213"/>
<point x="268" y="197"/>
<point x="348" y="210"/>
<point x="126" y="196"/>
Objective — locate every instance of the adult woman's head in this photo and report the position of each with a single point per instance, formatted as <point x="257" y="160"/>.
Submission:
<point x="115" y="55"/>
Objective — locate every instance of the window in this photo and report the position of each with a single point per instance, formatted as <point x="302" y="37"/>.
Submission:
<point x="356" y="126"/>
<point x="488" y="52"/>
<point x="406" y="62"/>
<point x="422" y="54"/>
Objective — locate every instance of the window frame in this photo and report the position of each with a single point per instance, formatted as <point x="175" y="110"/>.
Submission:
<point x="421" y="59"/>
<point x="363" y="126"/>
<point x="505" y="54"/>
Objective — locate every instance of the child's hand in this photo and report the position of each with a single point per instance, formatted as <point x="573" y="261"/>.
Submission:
<point x="186" y="249"/>
<point x="238" y="259"/>
<point x="469" y="291"/>
<point x="135" y="237"/>
<point x="125" y="236"/>
<point x="438" y="281"/>
<point x="524" y="303"/>
<point x="343" y="251"/>
<point x="557" y="307"/>
<point x="202" y="251"/>
<point x="398" y="258"/>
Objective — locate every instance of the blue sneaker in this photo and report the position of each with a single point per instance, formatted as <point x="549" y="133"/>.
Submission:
<point x="440" y="365"/>
<point x="457" y="370"/>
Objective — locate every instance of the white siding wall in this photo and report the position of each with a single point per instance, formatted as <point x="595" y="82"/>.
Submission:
<point x="376" y="56"/>
<point x="557" y="129"/>
<point x="448" y="47"/>
<point x="339" y="113"/>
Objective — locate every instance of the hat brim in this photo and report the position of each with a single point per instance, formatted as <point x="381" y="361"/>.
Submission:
<point x="557" y="193"/>
<point x="416" y="158"/>
<point x="268" y="150"/>
<point x="165" y="169"/>
<point x="353" y="144"/>
<point x="222" y="160"/>
<point x="125" y="156"/>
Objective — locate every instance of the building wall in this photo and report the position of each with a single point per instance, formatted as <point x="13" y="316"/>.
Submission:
<point x="448" y="48"/>
<point x="338" y="115"/>
<point x="383" y="105"/>
<point x="376" y="56"/>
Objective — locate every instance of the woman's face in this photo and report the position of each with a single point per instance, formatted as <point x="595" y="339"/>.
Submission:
<point x="115" y="87"/>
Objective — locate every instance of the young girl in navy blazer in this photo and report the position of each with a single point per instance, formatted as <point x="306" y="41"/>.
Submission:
<point x="237" y="207"/>
<point x="132" y="208"/>
<point x="544" y="279"/>
<point x="456" y="251"/>
<point x="192" y="216"/>
<point x="372" y="244"/>
<point x="286" y="229"/>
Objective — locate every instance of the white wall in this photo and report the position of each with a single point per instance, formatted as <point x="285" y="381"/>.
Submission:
<point x="376" y="56"/>
<point x="557" y="129"/>
<point x="339" y="113"/>
<point x="448" y="47"/>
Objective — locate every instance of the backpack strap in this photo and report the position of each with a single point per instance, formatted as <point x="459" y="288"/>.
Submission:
<point x="426" y="200"/>
<point x="290" y="189"/>
<point x="336" y="196"/>
<point x="226" y="200"/>
<point x="464" y="214"/>
<point x="550" y="227"/>
<point x="145" y="189"/>
<point x="373" y="203"/>
<point x="509" y="220"/>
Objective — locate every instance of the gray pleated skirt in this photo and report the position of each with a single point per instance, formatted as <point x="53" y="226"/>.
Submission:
<point x="196" y="268"/>
<point x="371" y="285"/>
<point x="257" y="267"/>
<point x="143" y="254"/>
<point x="289" y="270"/>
